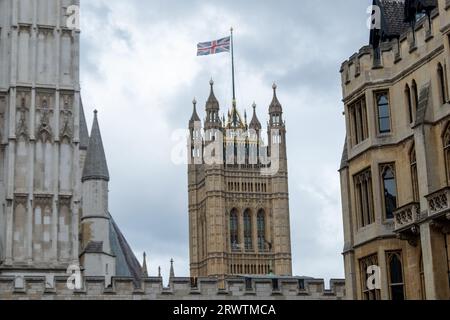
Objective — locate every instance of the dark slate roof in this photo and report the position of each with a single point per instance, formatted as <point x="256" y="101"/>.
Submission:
<point x="195" y="117"/>
<point x="393" y="23"/>
<point x="255" y="124"/>
<point x="275" y="106"/>
<point x="94" y="247"/>
<point x="344" y="159"/>
<point x="95" y="166"/>
<point x="84" y="134"/>
<point x="127" y="265"/>
<point x="212" y="103"/>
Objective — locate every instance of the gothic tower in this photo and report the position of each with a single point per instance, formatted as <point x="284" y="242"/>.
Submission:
<point x="238" y="194"/>
<point x="40" y="141"/>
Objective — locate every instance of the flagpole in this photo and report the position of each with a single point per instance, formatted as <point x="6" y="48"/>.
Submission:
<point x="232" y="66"/>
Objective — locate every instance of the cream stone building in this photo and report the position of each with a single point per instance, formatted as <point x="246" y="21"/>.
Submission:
<point x="238" y="203"/>
<point x="395" y="170"/>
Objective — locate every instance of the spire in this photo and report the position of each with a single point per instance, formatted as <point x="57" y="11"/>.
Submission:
<point x="172" y="272"/>
<point x="255" y="124"/>
<point x="95" y="166"/>
<point x="159" y="272"/>
<point x="84" y="134"/>
<point x="234" y="118"/>
<point x="144" y="266"/>
<point x="212" y="103"/>
<point x="195" y="117"/>
<point x="275" y="106"/>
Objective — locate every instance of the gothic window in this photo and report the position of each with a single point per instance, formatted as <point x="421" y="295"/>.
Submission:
<point x="383" y="112"/>
<point x="364" y="264"/>
<point x="248" y="230"/>
<point x="234" y="230"/>
<point x="389" y="189"/>
<point x="441" y="79"/>
<point x="414" y="179"/>
<point x="409" y="103"/>
<point x="364" y="198"/>
<point x="261" y="222"/>
<point x="447" y="151"/>
<point x="415" y="97"/>
<point x="395" y="276"/>
<point x="358" y="120"/>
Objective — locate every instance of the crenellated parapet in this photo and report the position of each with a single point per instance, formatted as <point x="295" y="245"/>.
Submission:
<point x="93" y="288"/>
<point x="397" y="58"/>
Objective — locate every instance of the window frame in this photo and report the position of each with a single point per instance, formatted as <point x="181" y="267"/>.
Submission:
<point x="364" y="198"/>
<point x="389" y="256"/>
<point x="358" y="120"/>
<point x="378" y="93"/>
<point x="367" y="261"/>
<point x="382" y="170"/>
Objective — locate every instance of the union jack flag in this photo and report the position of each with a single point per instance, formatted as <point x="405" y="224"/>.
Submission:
<point x="213" y="47"/>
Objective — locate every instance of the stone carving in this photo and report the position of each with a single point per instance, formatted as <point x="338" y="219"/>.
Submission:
<point x="22" y="127"/>
<point x="45" y="131"/>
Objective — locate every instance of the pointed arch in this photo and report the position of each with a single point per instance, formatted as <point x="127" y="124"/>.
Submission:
<point x="261" y="224"/>
<point x="248" y="230"/>
<point x="234" y="229"/>
<point x="414" y="173"/>
<point x="389" y="189"/>
<point x="409" y="103"/>
<point x="415" y="98"/>
<point x="441" y="81"/>
<point x="446" y="145"/>
<point x="396" y="283"/>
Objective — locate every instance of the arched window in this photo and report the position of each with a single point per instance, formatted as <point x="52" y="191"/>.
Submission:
<point x="415" y="97"/>
<point x="384" y="112"/>
<point x="248" y="230"/>
<point x="396" y="285"/>
<point x="389" y="190"/>
<point x="447" y="151"/>
<point x="414" y="179"/>
<point x="261" y="222"/>
<point x="441" y="79"/>
<point x="234" y="230"/>
<point x="409" y="103"/>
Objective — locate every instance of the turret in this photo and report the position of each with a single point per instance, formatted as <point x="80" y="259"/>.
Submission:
<point x="212" y="110"/>
<point x="276" y="127"/>
<point x="96" y="257"/>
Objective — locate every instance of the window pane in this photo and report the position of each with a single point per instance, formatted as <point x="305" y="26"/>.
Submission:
<point x="390" y="193"/>
<point x="383" y="111"/>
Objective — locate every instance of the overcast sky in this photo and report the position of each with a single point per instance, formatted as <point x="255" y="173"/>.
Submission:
<point x="139" y="69"/>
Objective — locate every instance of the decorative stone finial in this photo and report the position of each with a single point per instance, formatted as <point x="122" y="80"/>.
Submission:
<point x="274" y="86"/>
<point x="211" y="82"/>
<point x="254" y="105"/>
<point x="194" y="102"/>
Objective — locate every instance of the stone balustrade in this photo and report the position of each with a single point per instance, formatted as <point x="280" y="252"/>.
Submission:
<point x="438" y="202"/>
<point x="407" y="216"/>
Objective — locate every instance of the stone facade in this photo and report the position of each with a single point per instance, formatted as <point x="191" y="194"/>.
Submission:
<point x="238" y="208"/>
<point x="395" y="166"/>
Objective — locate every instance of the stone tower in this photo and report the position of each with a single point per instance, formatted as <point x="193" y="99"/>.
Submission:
<point x="53" y="176"/>
<point x="39" y="132"/>
<point x="238" y="194"/>
<point x="96" y="255"/>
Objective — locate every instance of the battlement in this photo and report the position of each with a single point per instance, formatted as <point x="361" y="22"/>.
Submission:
<point x="35" y="288"/>
<point x="396" y="59"/>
